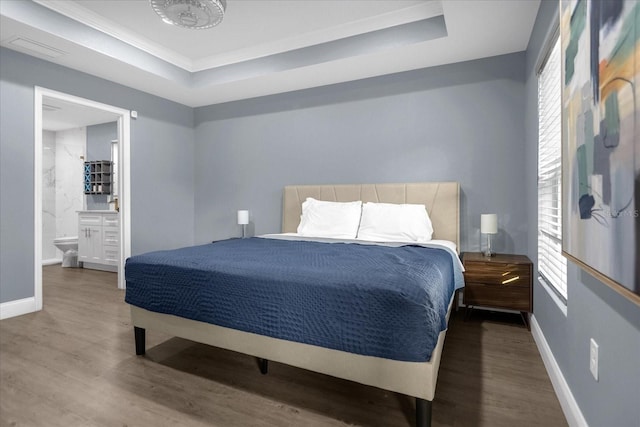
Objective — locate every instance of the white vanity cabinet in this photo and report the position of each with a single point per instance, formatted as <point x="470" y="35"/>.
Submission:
<point x="98" y="239"/>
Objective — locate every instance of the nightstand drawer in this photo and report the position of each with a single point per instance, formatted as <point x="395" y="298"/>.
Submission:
<point x="509" y="297"/>
<point x="512" y="275"/>
<point x="501" y="281"/>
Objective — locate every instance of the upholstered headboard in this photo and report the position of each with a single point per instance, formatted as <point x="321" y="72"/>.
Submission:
<point x="442" y="200"/>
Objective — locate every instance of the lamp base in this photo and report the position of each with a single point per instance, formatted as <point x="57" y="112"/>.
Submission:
<point x="488" y="252"/>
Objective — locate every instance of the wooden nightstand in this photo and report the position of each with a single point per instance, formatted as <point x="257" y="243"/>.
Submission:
<point x="502" y="281"/>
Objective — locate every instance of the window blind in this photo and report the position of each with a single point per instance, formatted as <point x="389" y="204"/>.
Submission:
<point x="552" y="266"/>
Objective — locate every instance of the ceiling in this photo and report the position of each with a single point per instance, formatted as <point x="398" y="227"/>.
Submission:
<point x="60" y="115"/>
<point x="262" y="47"/>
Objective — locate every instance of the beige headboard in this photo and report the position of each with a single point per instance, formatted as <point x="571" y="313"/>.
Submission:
<point x="442" y="200"/>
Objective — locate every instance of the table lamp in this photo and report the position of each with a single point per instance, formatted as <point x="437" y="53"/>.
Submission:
<point x="489" y="226"/>
<point x="243" y="220"/>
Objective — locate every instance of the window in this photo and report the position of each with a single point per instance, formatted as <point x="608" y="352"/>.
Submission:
<point x="552" y="266"/>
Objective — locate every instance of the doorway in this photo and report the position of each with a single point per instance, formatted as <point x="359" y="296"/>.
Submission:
<point x="81" y="112"/>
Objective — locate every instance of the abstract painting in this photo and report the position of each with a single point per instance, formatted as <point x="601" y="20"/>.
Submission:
<point x="601" y="139"/>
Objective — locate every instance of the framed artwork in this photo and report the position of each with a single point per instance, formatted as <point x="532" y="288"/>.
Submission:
<point x="600" y="42"/>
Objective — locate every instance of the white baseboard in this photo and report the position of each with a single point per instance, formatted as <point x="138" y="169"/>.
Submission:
<point x="51" y="261"/>
<point x="101" y="267"/>
<point x="568" y="403"/>
<point x="17" y="307"/>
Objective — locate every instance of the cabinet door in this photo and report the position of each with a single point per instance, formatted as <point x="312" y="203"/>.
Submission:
<point x="95" y="237"/>
<point x="90" y="243"/>
<point x="84" y="243"/>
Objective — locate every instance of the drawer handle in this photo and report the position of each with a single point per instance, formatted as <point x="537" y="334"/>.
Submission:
<point x="504" y="282"/>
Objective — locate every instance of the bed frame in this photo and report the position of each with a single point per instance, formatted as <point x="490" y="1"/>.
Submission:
<point x="416" y="379"/>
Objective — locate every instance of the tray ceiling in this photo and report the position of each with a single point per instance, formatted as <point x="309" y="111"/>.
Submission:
<point x="262" y="47"/>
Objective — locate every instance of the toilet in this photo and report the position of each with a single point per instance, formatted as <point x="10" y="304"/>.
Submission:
<point x="69" y="248"/>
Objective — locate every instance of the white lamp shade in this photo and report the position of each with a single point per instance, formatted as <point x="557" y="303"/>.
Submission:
<point x="489" y="223"/>
<point x="243" y="217"/>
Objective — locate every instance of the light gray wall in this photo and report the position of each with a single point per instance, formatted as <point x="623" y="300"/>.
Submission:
<point x="460" y="122"/>
<point x="162" y="162"/>
<point x="594" y="310"/>
<point x="99" y="139"/>
<point x="16" y="189"/>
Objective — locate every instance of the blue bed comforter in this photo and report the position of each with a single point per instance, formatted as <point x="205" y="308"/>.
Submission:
<point x="389" y="302"/>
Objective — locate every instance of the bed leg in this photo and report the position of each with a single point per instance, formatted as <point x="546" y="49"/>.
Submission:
<point x="139" y="334"/>
<point x="423" y="413"/>
<point x="264" y="366"/>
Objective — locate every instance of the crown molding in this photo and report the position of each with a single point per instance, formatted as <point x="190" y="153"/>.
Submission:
<point x="91" y="19"/>
<point x="419" y="12"/>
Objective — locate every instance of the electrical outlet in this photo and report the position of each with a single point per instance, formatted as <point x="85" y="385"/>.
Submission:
<point x="593" y="358"/>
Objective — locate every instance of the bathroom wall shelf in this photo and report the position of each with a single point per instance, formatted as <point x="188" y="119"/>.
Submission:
<point x="98" y="177"/>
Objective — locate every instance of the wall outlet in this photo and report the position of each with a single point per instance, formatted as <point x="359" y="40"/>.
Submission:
<point x="593" y="358"/>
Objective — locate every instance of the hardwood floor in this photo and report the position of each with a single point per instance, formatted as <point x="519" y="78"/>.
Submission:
<point x="73" y="364"/>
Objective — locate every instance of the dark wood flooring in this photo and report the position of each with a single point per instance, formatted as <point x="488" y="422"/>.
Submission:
<point x="73" y="364"/>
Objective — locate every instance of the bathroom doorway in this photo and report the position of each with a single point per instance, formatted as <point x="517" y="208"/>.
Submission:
<point x="68" y="122"/>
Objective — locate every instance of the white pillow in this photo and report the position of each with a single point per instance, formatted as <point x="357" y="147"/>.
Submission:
<point x="338" y="220"/>
<point x="387" y="222"/>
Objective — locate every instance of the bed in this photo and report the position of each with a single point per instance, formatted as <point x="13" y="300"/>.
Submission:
<point x="406" y="373"/>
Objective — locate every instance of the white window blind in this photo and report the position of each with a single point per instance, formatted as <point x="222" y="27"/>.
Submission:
<point x="552" y="266"/>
